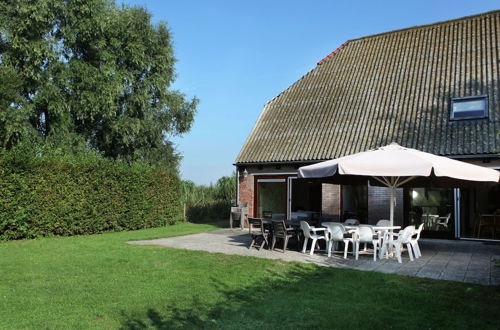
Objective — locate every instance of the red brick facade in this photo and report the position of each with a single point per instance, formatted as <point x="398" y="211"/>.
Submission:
<point x="246" y="195"/>
<point x="330" y="201"/>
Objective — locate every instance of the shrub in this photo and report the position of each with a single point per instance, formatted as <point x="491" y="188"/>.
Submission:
<point x="80" y="195"/>
<point x="209" y="203"/>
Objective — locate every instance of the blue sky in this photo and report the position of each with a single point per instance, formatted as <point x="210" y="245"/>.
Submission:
<point x="237" y="55"/>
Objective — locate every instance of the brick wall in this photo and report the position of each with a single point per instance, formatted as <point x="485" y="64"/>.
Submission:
<point x="379" y="206"/>
<point x="246" y="185"/>
<point x="330" y="201"/>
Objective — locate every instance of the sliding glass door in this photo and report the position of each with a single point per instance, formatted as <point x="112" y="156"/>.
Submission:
<point x="480" y="213"/>
<point x="286" y="197"/>
<point x="434" y="207"/>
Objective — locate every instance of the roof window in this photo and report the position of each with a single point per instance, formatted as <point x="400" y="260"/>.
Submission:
<point x="471" y="107"/>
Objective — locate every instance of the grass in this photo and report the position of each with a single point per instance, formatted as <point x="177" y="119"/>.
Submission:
<point x="100" y="282"/>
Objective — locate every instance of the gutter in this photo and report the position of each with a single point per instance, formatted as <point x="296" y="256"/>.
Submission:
<point x="288" y="162"/>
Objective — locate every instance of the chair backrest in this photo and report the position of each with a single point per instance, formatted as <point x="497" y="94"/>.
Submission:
<point x="351" y="222"/>
<point x="383" y="223"/>
<point x="419" y="230"/>
<point x="406" y="234"/>
<point x="306" y="229"/>
<point x="279" y="228"/>
<point x="365" y="233"/>
<point x="254" y="223"/>
<point x="335" y="231"/>
<point x="267" y="214"/>
<point x="236" y="216"/>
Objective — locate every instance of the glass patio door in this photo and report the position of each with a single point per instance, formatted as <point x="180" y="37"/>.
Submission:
<point x="271" y="198"/>
<point x="435" y="208"/>
<point x="304" y="199"/>
<point x="480" y="213"/>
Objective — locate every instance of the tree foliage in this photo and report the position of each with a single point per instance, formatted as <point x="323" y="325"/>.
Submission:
<point x="91" y="73"/>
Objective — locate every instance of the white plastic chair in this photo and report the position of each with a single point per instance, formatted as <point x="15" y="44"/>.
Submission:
<point x="336" y="232"/>
<point x="383" y="223"/>
<point x="351" y="222"/>
<point x="403" y="238"/>
<point x="310" y="233"/>
<point x="366" y="234"/>
<point x="414" y="241"/>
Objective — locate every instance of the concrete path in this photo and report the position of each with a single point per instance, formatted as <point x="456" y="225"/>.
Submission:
<point x="463" y="261"/>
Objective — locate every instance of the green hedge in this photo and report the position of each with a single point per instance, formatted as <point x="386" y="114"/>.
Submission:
<point x="212" y="211"/>
<point x="69" y="195"/>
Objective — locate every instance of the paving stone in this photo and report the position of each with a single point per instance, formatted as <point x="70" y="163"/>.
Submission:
<point x="495" y="271"/>
<point x="457" y="270"/>
<point x="477" y="280"/>
<point x="368" y="266"/>
<point x="469" y="273"/>
<point x="478" y="268"/>
<point x="428" y="274"/>
<point x="408" y="271"/>
<point x="452" y="277"/>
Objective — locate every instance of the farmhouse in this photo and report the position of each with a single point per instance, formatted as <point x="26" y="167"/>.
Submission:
<point x="434" y="88"/>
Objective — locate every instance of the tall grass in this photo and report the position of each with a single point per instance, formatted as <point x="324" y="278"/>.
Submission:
<point x="208" y="203"/>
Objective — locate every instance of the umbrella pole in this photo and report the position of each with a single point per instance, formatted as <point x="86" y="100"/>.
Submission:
<point x="393" y="200"/>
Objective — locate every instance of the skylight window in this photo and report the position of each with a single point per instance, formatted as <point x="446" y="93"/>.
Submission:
<point x="472" y="107"/>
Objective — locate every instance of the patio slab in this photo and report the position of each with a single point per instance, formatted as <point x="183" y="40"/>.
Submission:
<point x="463" y="261"/>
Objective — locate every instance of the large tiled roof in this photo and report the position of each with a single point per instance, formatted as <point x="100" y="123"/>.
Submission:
<point x="394" y="86"/>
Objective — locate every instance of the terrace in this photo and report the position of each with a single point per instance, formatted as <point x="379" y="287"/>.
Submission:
<point x="463" y="261"/>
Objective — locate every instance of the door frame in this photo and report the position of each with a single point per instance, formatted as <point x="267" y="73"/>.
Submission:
<point x="450" y="234"/>
<point x="269" y="178"/>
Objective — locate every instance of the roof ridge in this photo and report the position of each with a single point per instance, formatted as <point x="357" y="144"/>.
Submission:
<point x="416" y="27"/>
<point x="333" y="53"/>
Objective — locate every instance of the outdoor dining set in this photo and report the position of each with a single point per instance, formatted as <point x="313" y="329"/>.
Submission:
<point x="382" y="238"/>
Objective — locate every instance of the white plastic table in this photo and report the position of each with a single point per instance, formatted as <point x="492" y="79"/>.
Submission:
<point x="381" y="229"/>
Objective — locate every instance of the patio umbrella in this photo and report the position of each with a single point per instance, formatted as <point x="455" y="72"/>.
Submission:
<point x="395" y="166"/>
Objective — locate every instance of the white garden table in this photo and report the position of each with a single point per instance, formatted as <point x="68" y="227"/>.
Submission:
<point x="381" y="230"/>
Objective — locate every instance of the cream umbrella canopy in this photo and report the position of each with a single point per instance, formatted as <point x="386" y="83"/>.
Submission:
<point x="395" y="166"/>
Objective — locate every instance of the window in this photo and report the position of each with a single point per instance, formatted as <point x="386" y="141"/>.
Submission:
<point x="474" y="107"/>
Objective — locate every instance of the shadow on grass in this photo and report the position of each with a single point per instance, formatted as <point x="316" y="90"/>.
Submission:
<point x="318" y="297"/>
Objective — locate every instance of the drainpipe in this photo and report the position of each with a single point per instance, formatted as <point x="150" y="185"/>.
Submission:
<point x="237" y="185"/>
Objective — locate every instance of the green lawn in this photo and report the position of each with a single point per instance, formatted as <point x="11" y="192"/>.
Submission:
<point x="101" y="282"/>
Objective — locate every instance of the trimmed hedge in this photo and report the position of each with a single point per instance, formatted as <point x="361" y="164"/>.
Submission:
<point x="81" y="195"/>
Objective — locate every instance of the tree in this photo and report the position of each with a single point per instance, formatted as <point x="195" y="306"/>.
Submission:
<point x="89" y="72"/>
